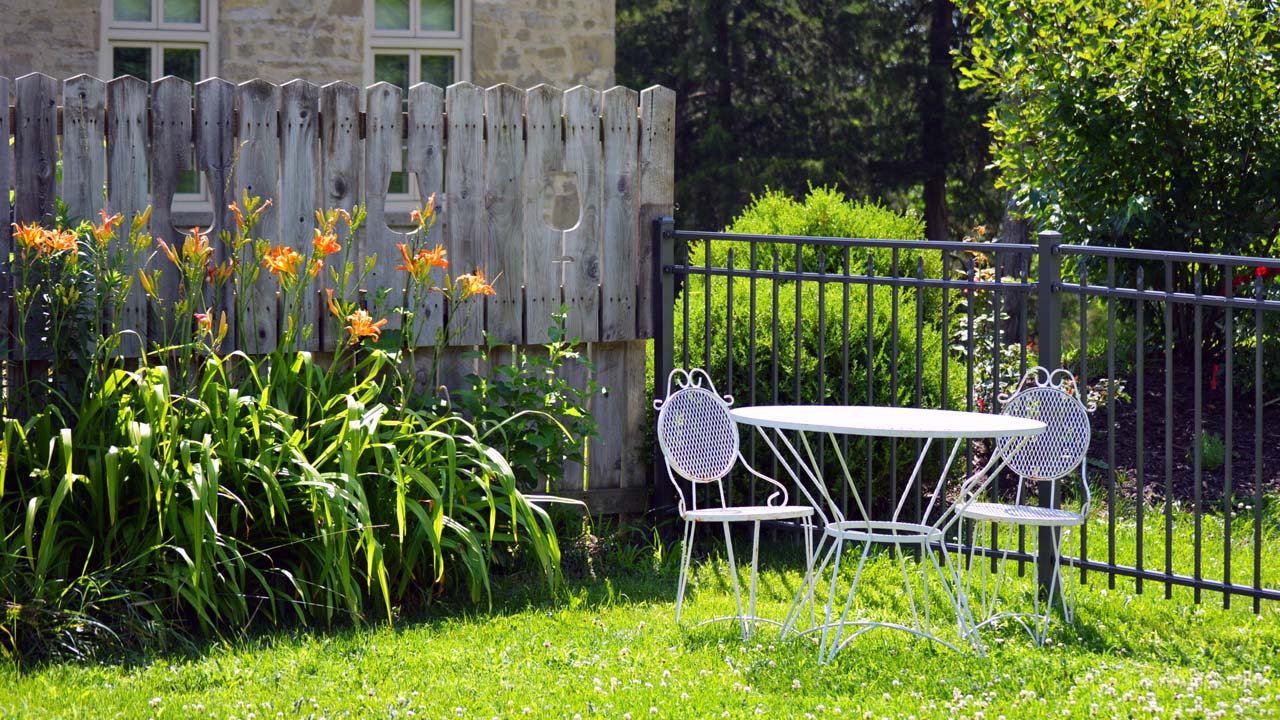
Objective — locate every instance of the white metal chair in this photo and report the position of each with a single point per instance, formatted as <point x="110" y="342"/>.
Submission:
<point x="700" y="443"/>
<point x="1054" y="398"/>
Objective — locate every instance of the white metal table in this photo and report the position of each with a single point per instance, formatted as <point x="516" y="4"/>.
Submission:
<point x="798" y="459"/>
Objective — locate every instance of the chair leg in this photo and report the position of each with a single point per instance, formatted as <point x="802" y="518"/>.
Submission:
<point x="687" y="554"/>
<point x="806" y="586"/>
<point x="733" y="574"/>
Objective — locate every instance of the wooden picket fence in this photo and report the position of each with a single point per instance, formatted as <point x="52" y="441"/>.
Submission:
<point x="488" y="154"/>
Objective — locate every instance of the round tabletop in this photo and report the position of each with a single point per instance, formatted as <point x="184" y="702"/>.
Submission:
<point x="887" y="421"/>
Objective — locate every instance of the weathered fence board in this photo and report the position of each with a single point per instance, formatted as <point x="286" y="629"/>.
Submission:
<point x="340" y="154"/>
<point x="464" y="211"/>
<point x="544" y="245"/>
<point x="582" y="157"/>
<point x="503" y="182"/>
<point x="127" y="192"/>
<point x="170" y="155"/>
<point x="426" y="162"/>
<point x="35" y="152"/>
<point x="377" y="249"/>
<point x="6" y="231"/>
<point x="257" y="172"/>
<point x="657" y="162"/>
<point x="300" y="186"/>
<point x="619" y="209"/>
<point x="84" y="158"/>
<point x="215" y="157"/>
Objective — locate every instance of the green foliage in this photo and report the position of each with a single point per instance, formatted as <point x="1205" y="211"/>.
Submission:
<point x="1147" y="124"/>
<point x="824" y="212"/>
<point x="785" y="94"/>
<point x="529" y="410"/>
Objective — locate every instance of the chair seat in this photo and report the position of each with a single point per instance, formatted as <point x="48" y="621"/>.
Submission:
<point x="1022" y="515"/>
<point x="749" y="513"/>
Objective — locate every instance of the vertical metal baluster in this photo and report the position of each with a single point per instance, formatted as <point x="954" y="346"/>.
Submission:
<point x="918" y="490"/>
<point x="1197" y="427"/>
<point x="751" y="355"/>
<point x="1111" y="422"/>
<point x="1228" y="441"/>
<point x="773" y="368"/>
<point x="1139" y="352"/>
<point x="1082" y="384"/>
<point x="970" y="293"/>
<point x="1258" y="407"/>
<point x="1168" y="429"/>
<point x="844" y="368"/>
<point x="822" y="346"/>
<point x="798" y="329"/>
<point x="684" y="301"/>
<point x="1025" y="331"/>
<point x="728" y="325"/>
<point x="893" y="373"/>
<point x="871" y="398"/>
<point x="946" y="350"/>
<point x="706" y="306"/>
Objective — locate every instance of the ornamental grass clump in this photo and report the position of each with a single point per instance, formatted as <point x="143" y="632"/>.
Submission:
<point x="188" y="488"/>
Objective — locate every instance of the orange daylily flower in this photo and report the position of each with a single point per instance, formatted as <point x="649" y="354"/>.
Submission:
<point x="282" y="259"/>
<point x="198" y="247"/>
<point x="61" y="241"/>
<point x="168" y="251"/>
<point x="325" y="243"/>
<point x="474" y="284"/>
<point x="204" y="321"/>
<point x="107" y="228"/>
<point x="361" y="325"/>
<point x="235" y="208"/>
<point x="434" y="258"/>
<point x="30" y="236"/>
<point x="316" y="266"/>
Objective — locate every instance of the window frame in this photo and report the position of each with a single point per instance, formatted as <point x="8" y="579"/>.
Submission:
<point x="156" y="36"/>
<point x="415" y="43"/>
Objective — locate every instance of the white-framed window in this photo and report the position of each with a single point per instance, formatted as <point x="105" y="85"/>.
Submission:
<point x="412" y="41"/>
<point x="154" y="38"/>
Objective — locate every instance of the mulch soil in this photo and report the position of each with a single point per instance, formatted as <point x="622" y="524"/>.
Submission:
<point x="1155" y="451"/>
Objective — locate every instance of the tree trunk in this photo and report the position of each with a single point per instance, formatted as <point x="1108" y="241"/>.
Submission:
<point x="933" y="114"/>
<point x="1014" y="229"/>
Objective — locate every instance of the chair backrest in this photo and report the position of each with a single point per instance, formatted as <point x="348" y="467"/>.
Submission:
<point x="1054" y="399"/>
<point x="695" y="432"/>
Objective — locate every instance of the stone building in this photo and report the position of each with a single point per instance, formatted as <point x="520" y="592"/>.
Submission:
<point x="521" y="42"/>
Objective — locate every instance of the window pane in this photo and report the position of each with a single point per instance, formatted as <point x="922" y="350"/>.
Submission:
<point x="437" y="70"/>
<point x="183" y="63"/>
<point x="391" y="14"/>
<point x="182" y="11"/>
<point x="131" y="10"/>
<point x="134" y="61"/>
<point x="393" y="69"/>
<point x="437" y="15"/>
<point x="189" y="182"/>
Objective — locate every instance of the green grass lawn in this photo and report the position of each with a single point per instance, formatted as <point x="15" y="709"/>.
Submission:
<point x="608" y="648"/>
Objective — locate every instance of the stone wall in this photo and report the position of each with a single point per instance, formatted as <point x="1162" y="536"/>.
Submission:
<point x="526" y="42"/>
<point x="55" y="37"/>
<point x="521" y="42"/>
<point x="280" y="40"/>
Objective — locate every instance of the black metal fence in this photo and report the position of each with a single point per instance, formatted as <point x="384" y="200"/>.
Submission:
<point x="1179" y="353"/>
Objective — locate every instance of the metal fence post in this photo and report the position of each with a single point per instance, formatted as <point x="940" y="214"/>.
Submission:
<point x="1049" y="330"/>
<point x="664" y="304"/>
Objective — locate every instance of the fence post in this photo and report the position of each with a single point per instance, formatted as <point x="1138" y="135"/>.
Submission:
<point x="664" y="303"/>
<point x="1049" y="330"/>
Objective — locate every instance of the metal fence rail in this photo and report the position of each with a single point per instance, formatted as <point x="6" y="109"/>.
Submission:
<point x="856" y="321"/>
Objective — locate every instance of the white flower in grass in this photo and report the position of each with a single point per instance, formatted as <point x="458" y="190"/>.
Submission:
<point x="795" y="684"/>
<point x="155" y="702"/>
